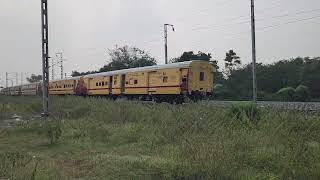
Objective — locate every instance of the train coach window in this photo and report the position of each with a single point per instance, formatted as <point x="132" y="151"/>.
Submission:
<point x="165" y="79"/>
<point x="201" y="76"/>
<point x="103" y="83"/>
<point x="135" y="81"/>
<point x="97" y="84"/>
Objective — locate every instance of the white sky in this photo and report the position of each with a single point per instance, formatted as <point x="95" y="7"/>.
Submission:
<point x="84" y="29"/>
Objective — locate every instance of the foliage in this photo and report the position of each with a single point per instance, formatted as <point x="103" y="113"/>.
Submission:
<point x="232" y="61"/>
<point x="76" y="73"/>
<point x="34" y="78"/>
<point x="104" y="139"/>
<point x="302" y="93"/>
<point x="245" y="111"/>
<point x="286" y="94"/>
<point x="273" y="77"/>
<point x="190" y="56"/>
<point x="128" y="57"/>
<point x="17" y="165"/>
<point x="123" y="58"/>
<point x="54" y="131"/>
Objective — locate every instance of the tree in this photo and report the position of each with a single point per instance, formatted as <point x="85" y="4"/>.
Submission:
<point x="302" y="93"/>
<point x="34" y="78"/>
<point x="123" y="58"/>
<point x="232" y="61"/>
<point x="188" y="56"/>
<point x="76" y="73"/>
<point x="286" y="94"/>
<point x="127" y="57"/>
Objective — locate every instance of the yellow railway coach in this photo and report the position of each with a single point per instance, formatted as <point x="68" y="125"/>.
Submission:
<point x="192" y="78"/>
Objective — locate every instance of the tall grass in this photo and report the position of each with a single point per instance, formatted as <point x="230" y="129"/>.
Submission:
<point x="126" y="140"/>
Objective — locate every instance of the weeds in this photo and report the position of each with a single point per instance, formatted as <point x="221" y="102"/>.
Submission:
<point x="101" y="139"/>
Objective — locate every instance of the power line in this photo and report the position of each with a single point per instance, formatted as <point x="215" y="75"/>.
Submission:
<point x="237" y="17"/>
<point x="204" y="10"/>
<point x="245" y="22"/>
<point x="289" y="22"/>
<point x="238" y="35"/>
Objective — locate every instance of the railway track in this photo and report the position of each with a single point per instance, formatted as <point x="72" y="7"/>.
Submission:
<point x="300" y="106"/>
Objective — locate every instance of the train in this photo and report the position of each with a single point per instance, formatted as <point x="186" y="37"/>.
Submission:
<point x="169" y="82"/>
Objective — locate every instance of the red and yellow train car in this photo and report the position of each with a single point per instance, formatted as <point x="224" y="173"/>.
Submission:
<point x="186" y="78"/>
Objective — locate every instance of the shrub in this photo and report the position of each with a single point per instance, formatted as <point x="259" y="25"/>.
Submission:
<point x="245" y="111"/>
<point x="302" y="93"/>
<point x="54" y="131"/>
<point x="265" y="96"/>
<point x="286" y="94"/>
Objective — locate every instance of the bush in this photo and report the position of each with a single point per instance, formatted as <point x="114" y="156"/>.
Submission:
<point x="302" y="93"/>
<point x="245" y="111"/>
<point x="286" y="94"/>
<point x="54" y="131"/>
<point x="265" y="96"/>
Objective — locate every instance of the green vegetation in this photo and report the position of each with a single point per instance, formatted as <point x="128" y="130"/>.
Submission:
<point x="91" y="138"/>
<point x="124" y="57"/>
<point x="301" y="74"/>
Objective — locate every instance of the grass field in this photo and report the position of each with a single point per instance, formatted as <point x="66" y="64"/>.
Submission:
<point x="101" y="139"/>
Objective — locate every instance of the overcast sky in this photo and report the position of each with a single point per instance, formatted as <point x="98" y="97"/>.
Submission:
<point x="84" y="29"/>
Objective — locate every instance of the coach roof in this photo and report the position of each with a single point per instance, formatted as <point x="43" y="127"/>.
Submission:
<point x="140" y="69"/>
<point x="133" y="70"/>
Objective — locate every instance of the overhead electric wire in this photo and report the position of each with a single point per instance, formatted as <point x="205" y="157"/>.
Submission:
<point x="275" y="26"/>
<point x="289" y="22"/>
<point x="204" y="10"/>
<point x="248" y="21"/>
<point x="262" y="19"/>
<point x="233" y="18"/>
<point x="241" y="34"/>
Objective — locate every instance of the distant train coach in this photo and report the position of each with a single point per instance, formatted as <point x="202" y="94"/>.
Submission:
<point x="161" y="83"/>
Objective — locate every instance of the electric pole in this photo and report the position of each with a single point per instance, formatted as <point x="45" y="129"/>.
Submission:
<point x="17" y="79"/>
<point x="60" y="59"/>
<point x="253" y="32"/>
<point x="52" y="68"/>
<point x="45" y="57"/>
<point x="21" y="78"/>
<point x="166" y="40"/>
<point x="6" y="79"/>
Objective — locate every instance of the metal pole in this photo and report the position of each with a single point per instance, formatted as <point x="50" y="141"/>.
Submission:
<point x="6" y="79"/>
<point x="253" y="32"/>
<point x="17" y="75"/>
<point x="21" y="78"/>
<point x="61" y="61"/>
<point x="166" y="43"/>
<point x="52" y="69"/>
<point x="45" y="57"/>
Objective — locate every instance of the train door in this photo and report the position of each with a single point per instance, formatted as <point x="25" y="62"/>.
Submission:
<point x="153" y="82"/>
<point x="74" y="86"/>
<point x="184" y="84"/>
<point x="123" y="83"/>
<point x="110" y="84"/>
